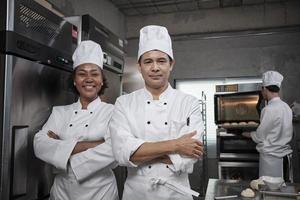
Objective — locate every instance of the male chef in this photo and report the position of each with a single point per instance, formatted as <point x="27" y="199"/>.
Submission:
<point x="275" y="130"/>
<point x="157" y="130"/>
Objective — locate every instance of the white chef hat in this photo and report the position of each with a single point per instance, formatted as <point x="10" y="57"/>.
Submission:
<point x="155" y="37"/>
<point x="88" y="52"/>
<point x="272" y="78"/>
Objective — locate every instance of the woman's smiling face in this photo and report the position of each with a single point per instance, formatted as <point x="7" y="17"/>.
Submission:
<point x="88" y="81"/>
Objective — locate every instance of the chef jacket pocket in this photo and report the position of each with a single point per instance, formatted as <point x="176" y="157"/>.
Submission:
<point x="178" y="128"/>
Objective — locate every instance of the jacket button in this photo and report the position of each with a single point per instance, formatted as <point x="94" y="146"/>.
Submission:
<point x="71" y="125"/>
<point x="76" y="112"/>
<point x="148" y="122"/>
<point x="86" y="125"/>
<point x="149" y="166"/>
<point x="148" y="102"/>
<point x="167" y="166"/>
<point x="166" y="123"/>
<point x="165" y="103"/>
<point x="91" y="112"/>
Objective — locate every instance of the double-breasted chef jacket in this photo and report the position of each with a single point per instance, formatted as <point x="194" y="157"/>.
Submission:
<point x="86" y="175"/>
<point x="137" y="119"/>
<point x="273" y="136"/>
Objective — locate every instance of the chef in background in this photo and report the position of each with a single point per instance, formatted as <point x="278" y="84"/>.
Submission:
<point x="75" y="139"/>
<point x="156" y="131"/>
<point x="275" y="130"/>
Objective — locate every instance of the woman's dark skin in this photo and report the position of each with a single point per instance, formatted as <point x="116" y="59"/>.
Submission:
<point x="88" y="81"/>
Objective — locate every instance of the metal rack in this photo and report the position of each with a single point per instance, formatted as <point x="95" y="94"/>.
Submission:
<point x="204" y="177"/>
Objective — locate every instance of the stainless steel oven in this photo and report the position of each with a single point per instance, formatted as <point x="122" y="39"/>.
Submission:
<point x="241" y="107"/>
<point x="237" y="156"/>
<point x="234" y="143"/>
<point x="234" y="114"/>
<point x="238" y="170"/>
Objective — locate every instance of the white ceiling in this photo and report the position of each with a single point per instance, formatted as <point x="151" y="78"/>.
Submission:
<point x="144" y="7"/>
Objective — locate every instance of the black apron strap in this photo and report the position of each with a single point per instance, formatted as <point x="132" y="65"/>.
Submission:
<point x="288" y="168"/>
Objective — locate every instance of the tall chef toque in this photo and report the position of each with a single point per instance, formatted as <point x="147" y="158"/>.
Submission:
<point x="272" y="78"/>
<point x="155" y="37"/>
<point x="88" y="52"/>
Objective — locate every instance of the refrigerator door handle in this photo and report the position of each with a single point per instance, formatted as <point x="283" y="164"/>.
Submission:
<point x="19" y="161"/>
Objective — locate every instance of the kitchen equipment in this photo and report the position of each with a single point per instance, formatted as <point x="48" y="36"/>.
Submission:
<point x="224" y="188"/>
<point x="237" y="170"/>
<point x="226" y="197"/>
<point x="237" y="156"/>
<point x="236" y="113"/>
<point x="235" y="108"/>
<point x="35" y="69"/>
<point x="290" y="190"/>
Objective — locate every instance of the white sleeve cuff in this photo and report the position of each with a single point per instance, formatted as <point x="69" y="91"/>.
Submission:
<point x="132" y="146"/>
<point x="93" y="160"/>
<point x="254" y="137"/>
<point x="176" y="160"/>
<point x="182" y="164"/>
<point x="63" y="153"/>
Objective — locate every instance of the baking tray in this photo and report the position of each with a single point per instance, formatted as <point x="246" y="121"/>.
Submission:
<point x="290" y="190"/>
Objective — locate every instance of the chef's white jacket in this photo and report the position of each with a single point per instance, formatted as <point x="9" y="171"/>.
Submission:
<point x="273" y="136"/>
<point x="86" y="175"/>
<point x="138" y="119"/>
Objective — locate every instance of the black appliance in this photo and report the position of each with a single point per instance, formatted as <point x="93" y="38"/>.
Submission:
<point x="35" y="70"/>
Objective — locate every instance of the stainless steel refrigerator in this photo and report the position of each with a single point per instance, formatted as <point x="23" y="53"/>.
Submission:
<point x="35" y="74"/>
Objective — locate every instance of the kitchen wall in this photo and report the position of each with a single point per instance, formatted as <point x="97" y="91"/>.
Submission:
<point x="261" y="16"/>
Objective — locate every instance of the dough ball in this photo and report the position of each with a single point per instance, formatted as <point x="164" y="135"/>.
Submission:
<point x="234" y="123"/>
<point x="242" y="123"/>
<point x="248" y="193"/>
<point x="254" y="183"/>
<point x="252" y="123"/>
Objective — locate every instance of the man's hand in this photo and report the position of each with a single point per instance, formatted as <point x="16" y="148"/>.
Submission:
<point x="246" y="134"/>
<point x="53" y="135"/>
<point x="153" y="151"/>
<point x="186" y="145"/>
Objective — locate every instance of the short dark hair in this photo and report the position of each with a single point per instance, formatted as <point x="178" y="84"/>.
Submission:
<point x="273" y="88"/>
<point x="101" y="91"/>
<point x="139" y="61"/>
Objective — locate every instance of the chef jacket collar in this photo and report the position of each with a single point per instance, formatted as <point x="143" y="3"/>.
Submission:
<point x="165" y="96"/>
<point x="92" y="106"/>
<point x="274" y="99"/>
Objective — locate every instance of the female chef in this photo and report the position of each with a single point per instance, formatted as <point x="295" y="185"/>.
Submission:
<point x="75" y="139"/>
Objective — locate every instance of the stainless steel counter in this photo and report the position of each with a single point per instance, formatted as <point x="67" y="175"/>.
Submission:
<point x="218" y="188"/>
<point x="232" y="188"/>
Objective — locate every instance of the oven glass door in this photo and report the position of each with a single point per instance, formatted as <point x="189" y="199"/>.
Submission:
<point x="238" y="170"/>
<point x="237" y="107"/>
<point x="237" y="145"/>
